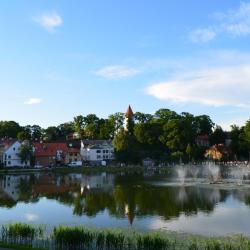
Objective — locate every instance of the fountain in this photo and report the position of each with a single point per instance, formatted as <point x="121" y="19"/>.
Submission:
<point x="181" y="172"/>
<point x="212" y="174"/>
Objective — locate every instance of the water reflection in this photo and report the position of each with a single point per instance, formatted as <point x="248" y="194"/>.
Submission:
<point x="126" y="198"/>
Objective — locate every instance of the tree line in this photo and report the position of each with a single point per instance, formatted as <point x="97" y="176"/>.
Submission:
<point x="162" y="136"/>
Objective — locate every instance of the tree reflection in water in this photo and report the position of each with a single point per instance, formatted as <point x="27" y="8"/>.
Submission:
<point x="122" y="196"/>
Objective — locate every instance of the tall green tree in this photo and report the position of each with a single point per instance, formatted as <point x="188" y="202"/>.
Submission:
<point x="116" y="122"/>
<point x="51" y="133"/>
<point x="9" y="129"/>
<point x="165" y="115"/>
<point x="204" y="125"/>
<point x="247" y="135"/>
<point x="79" y="125"/>
<point x="189" y="151"/>
<point x="142" y="118"/>
<point x="126" y="147"/>
<point x="218" y="136"/>
<point x="36" y="132"/>
<point x="65" y="129"/>
<point x="23" y="135"/>
<point x="26" y="153"/>
<point x="147" y="134"/>
<point x="91" y="126"/>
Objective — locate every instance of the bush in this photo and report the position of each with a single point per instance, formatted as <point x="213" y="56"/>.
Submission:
<point x="20" y="233"/>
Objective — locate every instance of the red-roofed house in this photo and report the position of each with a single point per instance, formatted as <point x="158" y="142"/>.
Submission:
<point x="217" y="152"/>
<point x="55" y="153"/>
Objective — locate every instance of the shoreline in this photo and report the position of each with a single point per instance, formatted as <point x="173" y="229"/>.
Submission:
<point x="116" y="169"/>
<point x="80" y="237"/>
<point x="66" y="170"/>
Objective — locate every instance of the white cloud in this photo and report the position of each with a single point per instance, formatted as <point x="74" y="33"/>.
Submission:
<point x="116" y="72"/>
<point x="238" y="22"/>
<point x="222" y="86"/>
<point x="49" y="21"/>
<point x="239" y="121"/>
<point x="234" y="22"/>
<point x="31" y="217"/>
<point x="202" y="35"/>
<point x="33" y="100"/>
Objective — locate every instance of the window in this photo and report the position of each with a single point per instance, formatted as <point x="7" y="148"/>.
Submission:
<point x="98" y="157"/>
<point x="103" y="151"/>
<point x="98" y="151"/>
<point x="9" y="156"/>
<point x="9" y="163"/>
<point x="75" y="154"/>
<point x="107" y="151"/>
<point x="14" y="148"/>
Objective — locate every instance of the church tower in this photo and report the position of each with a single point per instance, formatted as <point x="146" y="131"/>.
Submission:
<point x="128" y="118"/>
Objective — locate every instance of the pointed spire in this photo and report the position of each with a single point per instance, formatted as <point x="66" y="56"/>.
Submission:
<point x="129" y="113"/>
<point x="131" y="217"/>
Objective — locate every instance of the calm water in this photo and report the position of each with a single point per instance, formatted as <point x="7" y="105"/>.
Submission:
<point x="107" y="200"/>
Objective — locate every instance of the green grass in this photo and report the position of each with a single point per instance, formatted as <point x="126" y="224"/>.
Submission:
<point x="23" y="236"/>
<point x="65" y="170"/>
<point x="20" y="233"/>
<point x="18" y="247"/>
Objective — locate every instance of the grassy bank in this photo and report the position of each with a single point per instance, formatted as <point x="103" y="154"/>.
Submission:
<point x="66" y="170"/>
<point x="27" y="236"/>
<point x="17" y="247"/>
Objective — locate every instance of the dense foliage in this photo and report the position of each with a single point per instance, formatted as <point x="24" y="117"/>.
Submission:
<point x="163" y="136"/>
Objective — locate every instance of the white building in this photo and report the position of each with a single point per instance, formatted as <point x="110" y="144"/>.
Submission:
<point x="102" y="181"/>
<point x="11" y="156"/>
<point x="97" y="151"/>
<point x="10" y="185"/>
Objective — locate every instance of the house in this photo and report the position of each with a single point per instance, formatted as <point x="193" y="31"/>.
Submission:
<point x="9" y="152"/>
<point x="97" y="151"/>
<point x="49" y="154"/>
<point x="73" y="136"/>
<point x="56" y="153"/>
<point x="217" y="152"/>
<point x="10" y="185"/>
<point x="202" y="141"/>
<point x="73" y="152"/>
<point x="2" y="150"/>
<point x="4" y="145"/>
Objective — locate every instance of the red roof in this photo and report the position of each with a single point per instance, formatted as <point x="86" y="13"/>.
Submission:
<point x="7" y="143"/>
<point x="50" y="149"/>
<point x="129" y="113"/>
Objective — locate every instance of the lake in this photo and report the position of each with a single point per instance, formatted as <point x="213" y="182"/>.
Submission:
<point x="144" y="202"/>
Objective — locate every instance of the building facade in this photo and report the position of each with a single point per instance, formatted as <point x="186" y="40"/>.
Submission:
<point x="97" y="151"/>
<point x="10" y="155"/>
<point x="58" y="153"/>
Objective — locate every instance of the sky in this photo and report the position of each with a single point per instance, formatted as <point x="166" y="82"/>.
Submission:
<point x="63" y="58"/>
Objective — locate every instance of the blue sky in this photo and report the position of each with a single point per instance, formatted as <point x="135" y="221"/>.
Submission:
<point x="63" y="58"/>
